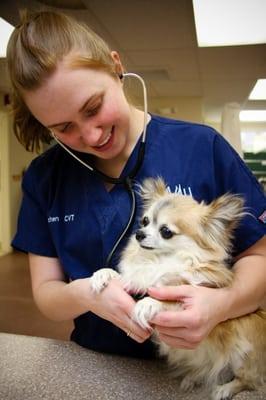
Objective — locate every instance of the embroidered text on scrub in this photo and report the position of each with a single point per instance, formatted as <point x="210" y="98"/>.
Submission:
<point x="67" y="218"/>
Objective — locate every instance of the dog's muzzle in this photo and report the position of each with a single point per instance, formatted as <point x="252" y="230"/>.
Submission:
<point x="140" y="235"/>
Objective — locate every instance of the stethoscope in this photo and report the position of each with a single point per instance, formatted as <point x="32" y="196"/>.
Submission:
<point x="127" y="181"/>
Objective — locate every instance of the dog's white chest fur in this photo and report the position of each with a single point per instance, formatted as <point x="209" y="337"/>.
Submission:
<point x="142" y="272"/>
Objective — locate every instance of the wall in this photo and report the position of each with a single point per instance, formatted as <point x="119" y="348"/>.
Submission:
<point x="254" y="136"/>
<point x="14" y="159"/>
<point x="5" y="217"/>
<point x="184" y="108"/>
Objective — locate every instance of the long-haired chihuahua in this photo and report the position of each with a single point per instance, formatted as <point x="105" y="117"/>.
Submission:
<point x="181" y="241"/>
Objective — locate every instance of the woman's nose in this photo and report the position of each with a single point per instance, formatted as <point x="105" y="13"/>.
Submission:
<point x="90" y="135"/>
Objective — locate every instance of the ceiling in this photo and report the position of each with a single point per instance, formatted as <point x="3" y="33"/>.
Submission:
<point x="157" y="39"/>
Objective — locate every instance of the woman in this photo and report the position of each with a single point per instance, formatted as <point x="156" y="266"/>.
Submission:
<point x="69" y="85"/>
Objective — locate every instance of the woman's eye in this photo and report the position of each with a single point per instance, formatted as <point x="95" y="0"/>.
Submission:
<point x="145" y="221"/>
<point x="166" y="233"/>
<point x="66" y="128"/>
<point x="93" y="111"/>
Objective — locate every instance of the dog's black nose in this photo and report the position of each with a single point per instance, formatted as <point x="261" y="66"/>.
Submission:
<point x="140" y="235"/>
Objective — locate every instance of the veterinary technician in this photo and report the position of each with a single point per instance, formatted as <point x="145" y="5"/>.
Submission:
<point x="80" y="206"/>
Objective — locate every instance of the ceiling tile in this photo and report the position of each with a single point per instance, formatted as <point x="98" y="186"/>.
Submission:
<point x="180" y="63"/>
<point x="146" y="24"/>
<point x="180" y="88"/>
<point x="232" y="62"/>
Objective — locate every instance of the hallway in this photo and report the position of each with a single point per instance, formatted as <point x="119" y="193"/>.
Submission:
<point x="18" y="313"/>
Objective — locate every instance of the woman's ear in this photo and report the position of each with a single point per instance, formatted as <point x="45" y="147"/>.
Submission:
<point x="118" y="64"/>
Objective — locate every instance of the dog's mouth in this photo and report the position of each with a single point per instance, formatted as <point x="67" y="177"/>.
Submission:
<point x="146" y="247"/>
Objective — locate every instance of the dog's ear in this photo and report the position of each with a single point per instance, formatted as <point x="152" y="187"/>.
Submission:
<point x="223" y="216"/>
<point x="151" y="189"/>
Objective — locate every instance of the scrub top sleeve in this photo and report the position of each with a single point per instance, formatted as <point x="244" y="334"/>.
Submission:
<point x="33" y="235"/>
<point x="233" y="176"/>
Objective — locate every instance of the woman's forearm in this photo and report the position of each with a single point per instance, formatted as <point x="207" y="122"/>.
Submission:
<point x="60" y="301"/>
<point x="248" y="291"/>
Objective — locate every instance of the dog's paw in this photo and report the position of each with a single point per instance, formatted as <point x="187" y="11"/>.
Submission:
<point x="145" y="310"/>
<point x="101" y="278"/>
<point x="222" y="392"/>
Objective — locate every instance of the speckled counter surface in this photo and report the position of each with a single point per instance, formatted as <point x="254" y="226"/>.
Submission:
<point x="34" y="368"/>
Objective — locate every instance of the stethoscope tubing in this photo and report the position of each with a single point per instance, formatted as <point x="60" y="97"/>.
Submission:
<point x="127" y="181"/>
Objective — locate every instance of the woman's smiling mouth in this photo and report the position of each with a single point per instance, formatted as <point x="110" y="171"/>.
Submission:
<point x="106" y="143"/>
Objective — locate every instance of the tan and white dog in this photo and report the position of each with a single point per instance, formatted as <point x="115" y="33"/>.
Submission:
<point x="182" y="241"/>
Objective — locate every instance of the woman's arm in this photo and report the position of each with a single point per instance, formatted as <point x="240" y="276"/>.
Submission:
<point x="248" y="292"/>
<point x="204" y="307"/>
<point x="59" y="300"/>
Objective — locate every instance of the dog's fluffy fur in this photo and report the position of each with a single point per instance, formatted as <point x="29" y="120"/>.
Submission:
<point x="182" y="241"/>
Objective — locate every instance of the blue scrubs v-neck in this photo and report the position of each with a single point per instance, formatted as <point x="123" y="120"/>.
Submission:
<point x="113" y="208"/>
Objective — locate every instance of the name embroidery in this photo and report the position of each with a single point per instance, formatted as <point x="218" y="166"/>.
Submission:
<point x="67" y="218"/>
<point x="186" y="191"/>
<point x="178" y="189"/>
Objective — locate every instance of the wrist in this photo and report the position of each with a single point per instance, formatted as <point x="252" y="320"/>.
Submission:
<point x="226" y="301"/>
<point x="81" y="294"/>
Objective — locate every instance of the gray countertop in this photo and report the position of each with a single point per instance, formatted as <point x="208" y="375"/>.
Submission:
<point x="34" y="368"/>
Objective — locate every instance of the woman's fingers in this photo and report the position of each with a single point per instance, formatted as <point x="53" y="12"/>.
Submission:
<point x="136" y="332"/>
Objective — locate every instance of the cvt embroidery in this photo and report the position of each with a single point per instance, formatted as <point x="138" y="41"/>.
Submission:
<point x="66" y="218"/>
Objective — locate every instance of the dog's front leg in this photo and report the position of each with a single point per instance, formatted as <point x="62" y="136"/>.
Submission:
<point x="145" y="310"/>
<point x="101" y="278"/>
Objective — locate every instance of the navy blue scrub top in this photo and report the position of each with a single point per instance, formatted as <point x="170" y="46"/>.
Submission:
<point x="67" y="212"/>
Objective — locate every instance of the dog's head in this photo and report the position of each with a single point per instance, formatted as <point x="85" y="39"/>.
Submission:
<point x="174" y="222"/>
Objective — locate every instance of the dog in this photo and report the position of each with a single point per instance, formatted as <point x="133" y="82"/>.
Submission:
<point x="182" y="241"/>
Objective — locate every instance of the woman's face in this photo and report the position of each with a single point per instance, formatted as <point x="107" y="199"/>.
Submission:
<point x="86" y="109"/>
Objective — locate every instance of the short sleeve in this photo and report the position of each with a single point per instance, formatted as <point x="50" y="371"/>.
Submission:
<point x="233" y="176"/>
<point x="33" y="234"/>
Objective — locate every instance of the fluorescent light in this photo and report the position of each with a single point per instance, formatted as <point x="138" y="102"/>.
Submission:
<point x="230" y="22"/>
<point x="259" y="90"/>
<point x="5" y="31"/>
<point x="252" y="115"/>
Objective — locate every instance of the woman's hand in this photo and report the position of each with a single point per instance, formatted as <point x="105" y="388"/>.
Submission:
<point x="204" y="308"/>
<point x="114" y="304"/>
<point x="202" y="311"/>
<point x="62" y="301"/>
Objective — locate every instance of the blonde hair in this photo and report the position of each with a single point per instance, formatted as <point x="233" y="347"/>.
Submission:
<point x="34" y="50"/>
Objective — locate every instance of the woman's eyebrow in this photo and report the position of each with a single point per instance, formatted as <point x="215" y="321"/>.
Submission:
<point x="83" y="107"/>
<point x="91" y="100"/>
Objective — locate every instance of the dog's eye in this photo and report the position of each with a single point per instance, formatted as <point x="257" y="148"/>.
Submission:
<point x="145" y="221"/>
<point x="165" y="232"/>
